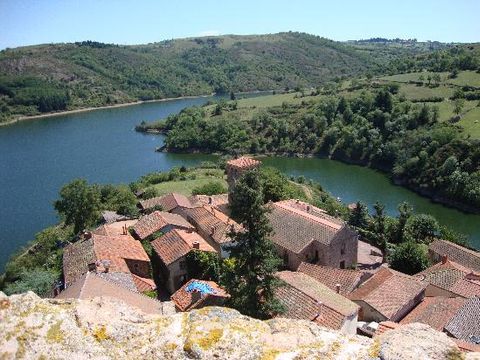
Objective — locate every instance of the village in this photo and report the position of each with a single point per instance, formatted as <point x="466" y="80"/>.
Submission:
<point x="329" y="275"/>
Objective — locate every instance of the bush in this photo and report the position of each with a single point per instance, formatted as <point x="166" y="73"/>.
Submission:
<point x="210" y="188"/>
<point x="38" y="280"/>
<point x="409" y="258"/>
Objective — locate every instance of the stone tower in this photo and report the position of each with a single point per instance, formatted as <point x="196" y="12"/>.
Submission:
<point x="236" y="167"/>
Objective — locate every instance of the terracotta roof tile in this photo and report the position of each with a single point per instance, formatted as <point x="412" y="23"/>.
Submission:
<point x="115" y="228"/>
<point x="244" y="162"/>
<point x="184" y="300"/>
<point x="212" y="200"/>
<point x="465" y="324"/>
<point x="91" y="285"/>
<point x="151" y="223"/>
<point x="295" y="228"/>
<point x="167" y="202"/>
<point x="143" y="284"/>
<point x="76" y="258"/>
<point x="434" y="311"/>
<point x="388" y="292"/>
<point x="178" y="243"/>
<point x="348" y="280"/>
<point x="211" y="221"/>
<point x="319" y="292"/>
<point x="461" y="255"/>
<point x="466" y="288"/>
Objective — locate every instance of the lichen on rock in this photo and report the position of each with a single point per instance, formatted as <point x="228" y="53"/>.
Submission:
<point x="105" y="328"/>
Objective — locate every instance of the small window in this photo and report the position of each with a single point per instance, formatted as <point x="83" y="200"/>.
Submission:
<point x="342" y="264"/>
<point x="135" y="266"/>
<point x="182" y="265"/>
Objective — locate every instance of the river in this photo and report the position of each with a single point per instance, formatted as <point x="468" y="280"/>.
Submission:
<point x="38" y="157"/>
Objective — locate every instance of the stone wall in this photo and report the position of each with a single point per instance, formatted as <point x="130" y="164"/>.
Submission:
<point x="104" y="328"/>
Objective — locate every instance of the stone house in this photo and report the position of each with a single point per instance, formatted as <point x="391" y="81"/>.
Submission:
<point x="388" y="295"/>
<point x="305" y="233"/>
<point x="213" y="225"/>
<point x="170" y="251"/>
<point x="236" y="167"/>
<point x="459" y="254"/>
<point x="167" y="202"/>
<point x="159" y="221"/>
<point x="308" y="299"/>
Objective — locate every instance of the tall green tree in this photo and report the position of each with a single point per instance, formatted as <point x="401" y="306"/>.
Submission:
<point x="379" y="227"/>
<point x="409" y="258"/>
<point x="250" y="280"/>
<point x="359" y="216"/>
<point x="422" y="228"/>
<point x="405" y="212"/>
<point x="79" y="204"/>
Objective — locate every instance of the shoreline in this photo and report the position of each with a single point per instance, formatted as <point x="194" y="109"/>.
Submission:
<point x="81" y="110"/>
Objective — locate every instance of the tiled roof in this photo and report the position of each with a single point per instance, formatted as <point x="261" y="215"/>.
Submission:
<point x="167" y="202"/>
<point x="76" y="258"/>
<point x="183" y="300"/>
<point x="319" y="292"/>
<point x="388" y="291"/>
<point x="143" y="284"/>
<point x="151" y="223"/>
<point x="347" y="279"/>
<point x="91" y="285"/>
<point x="118" y="250"/>
<point x="213" y="200"/>
<point x="243" y="162"/>
<point x="307" y="299"/>
<point x="294" y="227"/>
<point x="465" y="325"/>
<point x="466" y="257"/>
<point x="123" y="279"/>
<point x="115" y="228"/>
<point x="112" y="216"/>
<point x="434" y="311"/>
<point x="212" y="222"/>
<point x="178" y="243"/>
<point x="451" y="276"/>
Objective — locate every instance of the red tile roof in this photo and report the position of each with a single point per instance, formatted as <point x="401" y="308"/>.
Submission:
<point x="76" y="258"/>
<point x="178" y="243"/>
<point x="434" y="311"/>
<point x="306" y="298"/>
<point x="453" y="277"/>
<point x="115" y="228"/>
<point x="151" y="223"/>
<point x="185" y="301"/>
<point x="461" y="255"/>
<point x="465" y="324"/>
<point x="213" y="200"/>
<point x="244" y="162"/>
<point x="167" y="202"/>
<point x="348" y="280"/>
<point x="212" y="222"/>
<point x="143" y="284"/>
<point x="388" y="292"/>
<point x="295" y="227"/>
<point x="91" y="285"/>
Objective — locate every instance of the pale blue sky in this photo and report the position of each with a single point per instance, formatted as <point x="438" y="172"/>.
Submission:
<point x="27" y="22"/>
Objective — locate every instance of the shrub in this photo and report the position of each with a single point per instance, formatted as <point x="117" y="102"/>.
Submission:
<point x="210" y="188"/>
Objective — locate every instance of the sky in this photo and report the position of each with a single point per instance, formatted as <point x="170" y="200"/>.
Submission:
<point x="29" y="22"/>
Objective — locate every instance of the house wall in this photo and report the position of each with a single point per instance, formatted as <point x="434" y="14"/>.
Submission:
<point x="138" y="267"/>
<point x="176" y="275"/>
<point x="350" y="325"/>
<point x="343" y="247"/>
<point x="368" y="313"/>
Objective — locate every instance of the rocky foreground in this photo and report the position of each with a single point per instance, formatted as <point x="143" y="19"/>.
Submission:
<point x="104" y="328"/>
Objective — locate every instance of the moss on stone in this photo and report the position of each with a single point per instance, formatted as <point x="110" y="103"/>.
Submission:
<point x="374" y="349"/>
<point x="455" y="354"/>
<point x="100" y="334"/>
<point x="54" y="333"/>
<point x="270" y="354"/>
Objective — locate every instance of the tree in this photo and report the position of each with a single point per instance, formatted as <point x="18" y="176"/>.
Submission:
<point x="38" y="280"/>
<point x="405" y="212"/>
<point x="379" y="227"/>
<point x="436" y="79"/>
<point x="79" y="204"/>
<point x="458" y="105"/>
<point x="409" y="258"/>
<point x="275" y="185"/>
<point x="232" y="96"/>
<point x="421" y="228"/>
<point x="203" y="265"/>
<point x="358" y="217"/>
<point x="210" y="188"/>
<point x="250" y="279"/>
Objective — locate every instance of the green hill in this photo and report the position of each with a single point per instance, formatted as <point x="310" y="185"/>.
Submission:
<point x="52" y="77"/>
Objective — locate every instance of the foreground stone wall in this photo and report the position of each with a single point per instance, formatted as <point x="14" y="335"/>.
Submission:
<point x="104" y="328"/>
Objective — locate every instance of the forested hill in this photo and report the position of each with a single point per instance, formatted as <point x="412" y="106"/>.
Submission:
<point x="45" y="78"/>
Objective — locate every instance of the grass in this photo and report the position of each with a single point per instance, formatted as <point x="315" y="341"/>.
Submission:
<point x="274" y="100"/>
<point x="185" y="187"/>
<point x="470" y="78"/>
<point x="471" y="122"/>
<point x="414" y="92"/>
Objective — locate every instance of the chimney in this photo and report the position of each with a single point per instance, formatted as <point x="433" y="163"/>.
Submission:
<point x="92" y="267"/>
<point x="196" y="245"/>
<point x="210" y="201"/>
<point x="444" y="259"/>
<point x="212" y="232"/>
<point x="308" y="208"/>
<point x="337" y="288"/>
<point x="87" y="235"/>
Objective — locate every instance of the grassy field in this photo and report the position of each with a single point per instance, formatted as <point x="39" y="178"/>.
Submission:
<point x="470" y="78"/>
<point x="202" y="177"/>
<point x="446" y="109"/>
<point x="471" y="122"/>
<point x="414" y="92"/>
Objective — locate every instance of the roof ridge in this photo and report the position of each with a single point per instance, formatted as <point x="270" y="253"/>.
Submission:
<point x="310" y="216"/>
<point x="124" y="287"/>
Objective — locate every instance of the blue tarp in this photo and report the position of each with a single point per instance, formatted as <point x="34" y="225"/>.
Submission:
<point x="201" y="287"/>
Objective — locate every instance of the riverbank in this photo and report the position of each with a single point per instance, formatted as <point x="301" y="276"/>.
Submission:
<point x="81" y="110"/>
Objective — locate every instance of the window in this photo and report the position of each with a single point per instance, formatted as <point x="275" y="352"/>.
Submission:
<point x="342" y="264"/>
<point x="342" y="250"/>
<point x="285" y="258"/>
<point x="182" y="265"/>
